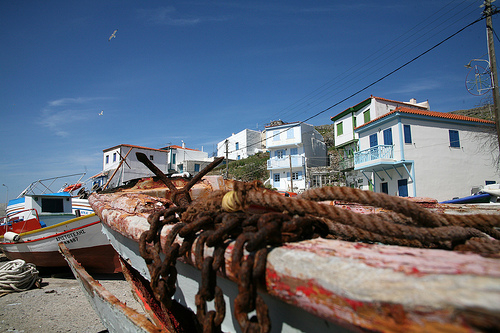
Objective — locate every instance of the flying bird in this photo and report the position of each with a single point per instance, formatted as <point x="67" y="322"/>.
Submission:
<point x="101" y="113"/>
<point x="113" y="35"/>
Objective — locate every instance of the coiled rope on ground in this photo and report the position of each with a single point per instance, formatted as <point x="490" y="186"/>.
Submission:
<point x="17" y="275"/>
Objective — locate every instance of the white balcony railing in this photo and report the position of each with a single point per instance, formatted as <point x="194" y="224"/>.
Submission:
<point x="374" y="153"/>
<point x="284" y="162"/>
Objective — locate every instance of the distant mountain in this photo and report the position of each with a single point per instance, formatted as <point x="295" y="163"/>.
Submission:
<point x="482" y="112"/>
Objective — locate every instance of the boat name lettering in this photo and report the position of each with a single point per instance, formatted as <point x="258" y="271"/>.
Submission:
<point x="71" y="235"/>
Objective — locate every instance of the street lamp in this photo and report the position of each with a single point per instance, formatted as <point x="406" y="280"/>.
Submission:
<point x="7" y="197"/>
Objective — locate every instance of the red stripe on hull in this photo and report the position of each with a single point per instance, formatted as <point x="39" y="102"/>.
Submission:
<point x="98" y="259"/>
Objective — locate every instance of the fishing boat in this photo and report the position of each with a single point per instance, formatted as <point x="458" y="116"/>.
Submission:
<point x="242" y="258"/>
<point x="37" y="220"/>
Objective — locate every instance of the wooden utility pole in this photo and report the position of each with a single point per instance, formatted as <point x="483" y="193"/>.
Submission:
<point x="488" y="12"/>
<point x="291" y="173"/>
<point x="227" y="158"/>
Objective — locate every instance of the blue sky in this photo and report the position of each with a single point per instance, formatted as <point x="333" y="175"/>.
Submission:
<point x="198" y="71"/>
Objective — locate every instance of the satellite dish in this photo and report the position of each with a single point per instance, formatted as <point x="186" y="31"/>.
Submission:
<point x="478" y="81"/>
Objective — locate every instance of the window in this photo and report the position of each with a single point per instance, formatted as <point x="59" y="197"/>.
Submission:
<point x="196" y="167"/>
<point x="289" y="133"/>
<point x="239" y="157"/>
<point x="114" y="157"/>
<point x="276" y="177"/>
<point x="237" y="145"/>
<point x="388" y="137"/>
<point x="340" y="128"/>
<point x="279" y="153"/>
<point x="295" y="175"/>
<point x="180" y="168"/>
<point x="151" y="157"/>
<point x="407" y="133"/>
<point x="354" y="122"/>
<point x="454" y="139"/>
<point x="50" y="205"/>
<point x="107" y="159"/>
<point x="173" y="158"/>
<point x="294" y="151"/>
<point x="373" y="140"/>
<point x="366" y="115"/>
<point x="276" y="135"/>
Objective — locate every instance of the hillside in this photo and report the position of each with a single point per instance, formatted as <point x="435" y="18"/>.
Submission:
<point x="482" y="112"/>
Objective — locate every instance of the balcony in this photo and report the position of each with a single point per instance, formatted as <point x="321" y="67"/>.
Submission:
<point x="284" y="162"/>
<point x="376" y="153"/>
<point x="346" y="164"/>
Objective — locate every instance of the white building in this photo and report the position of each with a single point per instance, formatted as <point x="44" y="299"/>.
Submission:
<point x="171" y="159"/>
<point x="346" y="139"/>
<point x="240" y="145"/>
<point x="420" y="153"/>
<point x="293" y="148"/>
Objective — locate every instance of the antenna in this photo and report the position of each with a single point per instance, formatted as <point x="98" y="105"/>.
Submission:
<point x="478" y="80"/>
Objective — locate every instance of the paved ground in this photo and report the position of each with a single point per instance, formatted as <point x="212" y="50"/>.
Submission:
<point x="59" y="305"/>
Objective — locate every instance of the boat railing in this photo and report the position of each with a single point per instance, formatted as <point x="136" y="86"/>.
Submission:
<point x="43" y="186"/>
<point x="21" y="221"/>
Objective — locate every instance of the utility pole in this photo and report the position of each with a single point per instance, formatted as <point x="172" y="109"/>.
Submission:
<point x="488" y="12"/>
<point x="227" y="159"/>
<point x="291" y="173"/>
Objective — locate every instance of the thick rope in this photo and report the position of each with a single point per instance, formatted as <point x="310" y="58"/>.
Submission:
<point x="17" y="275"/>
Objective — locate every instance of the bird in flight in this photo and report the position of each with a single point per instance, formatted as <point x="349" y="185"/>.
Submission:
<point x="101" y="113"/>
<point x="113" y="35"/>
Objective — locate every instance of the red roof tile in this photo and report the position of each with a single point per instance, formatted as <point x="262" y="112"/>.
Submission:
<point x="435" y="114"/>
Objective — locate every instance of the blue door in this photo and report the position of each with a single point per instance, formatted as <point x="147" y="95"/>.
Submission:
<point x="373" y="140"/>
<point x="403" y="187"/>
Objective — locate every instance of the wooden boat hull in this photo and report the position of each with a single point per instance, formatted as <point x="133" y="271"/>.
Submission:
<point x="115" y="315"/>
<point x="325" y="285"/>
<point x="82" y="235"/>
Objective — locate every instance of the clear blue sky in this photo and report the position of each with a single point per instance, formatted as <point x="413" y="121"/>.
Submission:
<point x="198" y="71"/>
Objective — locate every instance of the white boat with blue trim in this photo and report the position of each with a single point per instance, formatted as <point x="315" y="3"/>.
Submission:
<point x="37" y="221"/>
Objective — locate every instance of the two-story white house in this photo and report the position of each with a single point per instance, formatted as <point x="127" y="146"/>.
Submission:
<point x="421" y="153"/>
<point x="241" y="145"/>
<point x="170" y="159"/>
<point x="293" y="147"/>
<point x="346" y="140"/>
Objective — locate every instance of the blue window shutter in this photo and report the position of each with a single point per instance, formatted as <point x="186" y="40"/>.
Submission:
<point x="294" y="151"/>
<point x="454" y="139"/>
<point x="300" y="175"/>
<point x="373" y="140"/>
<point x="388" y="137"/>
<point x="407" y="133"/>
<point x="288" y="175"/>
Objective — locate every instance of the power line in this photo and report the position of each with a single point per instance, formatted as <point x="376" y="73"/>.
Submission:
<point x="376" y="81"/>
<point x="320" y="94"/>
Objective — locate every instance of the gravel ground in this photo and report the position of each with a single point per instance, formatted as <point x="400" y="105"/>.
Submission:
<point x="59" y="305"/>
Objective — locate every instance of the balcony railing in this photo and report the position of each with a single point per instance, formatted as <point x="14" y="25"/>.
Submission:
<point x="374" y="153"/>
<point x="347" y="163"/>
<point x="284" y="162"/>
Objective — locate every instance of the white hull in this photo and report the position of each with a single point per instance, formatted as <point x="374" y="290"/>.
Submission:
<point x="82" y="234"/>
